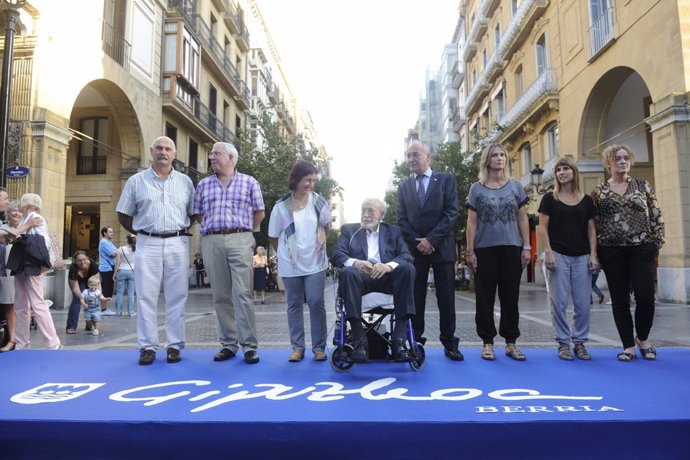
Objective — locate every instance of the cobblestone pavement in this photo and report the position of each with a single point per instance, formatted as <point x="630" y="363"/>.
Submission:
<point x="671" y="324"/>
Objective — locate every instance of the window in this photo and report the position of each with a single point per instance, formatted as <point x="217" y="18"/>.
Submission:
<point x="193" y="154"/>
<point x="497" y="35"/>
<point x="519" y="83"/>
<point x="541" y="55"/>
<point x="601" y="24"/>
<point x="500" y="105"/>
<point x="526" y="151"/>
<point x="484" y="58"/>
<point x="552" y="141"/>
<point x="91" y="158"/>
<point x="513" y="7"/>
<point x="181" y="70"/>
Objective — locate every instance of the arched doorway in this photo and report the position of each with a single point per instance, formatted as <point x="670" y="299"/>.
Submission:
<point x="106" y="150"/>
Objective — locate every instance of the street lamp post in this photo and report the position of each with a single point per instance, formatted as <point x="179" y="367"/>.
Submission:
<point x="11" y="10"/>
<point x="537" y="174"/>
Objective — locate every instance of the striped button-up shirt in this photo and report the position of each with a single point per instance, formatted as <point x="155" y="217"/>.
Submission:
<point x="228" y="208"/>
<point x="156" y="205"/>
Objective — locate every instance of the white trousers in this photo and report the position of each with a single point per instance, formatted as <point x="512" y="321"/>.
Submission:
<point x="156" y="261"/>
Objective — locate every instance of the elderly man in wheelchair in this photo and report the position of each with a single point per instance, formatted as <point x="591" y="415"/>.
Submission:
<point x="374" y="257"/>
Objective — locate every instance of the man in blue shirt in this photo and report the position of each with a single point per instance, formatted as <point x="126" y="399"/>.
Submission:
<point x="106" y="266"/>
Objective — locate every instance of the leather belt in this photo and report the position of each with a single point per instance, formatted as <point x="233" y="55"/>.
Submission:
<point x="165" y="235"/>
<point x="229" y="231"/>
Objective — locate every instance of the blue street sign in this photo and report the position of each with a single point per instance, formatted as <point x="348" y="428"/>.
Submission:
<point x="17" y="171"/>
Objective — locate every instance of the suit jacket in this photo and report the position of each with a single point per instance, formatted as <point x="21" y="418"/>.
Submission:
<point x="352" y="243"/>
<point x="435" y="220"/>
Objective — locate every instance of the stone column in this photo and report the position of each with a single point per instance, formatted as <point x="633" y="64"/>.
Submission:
<point x="671" y="142"/>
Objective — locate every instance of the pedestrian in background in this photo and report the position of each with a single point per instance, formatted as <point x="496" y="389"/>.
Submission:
<point x="107" y="254"/>
<point x="124" y="275"/>
<point x="260" y="266"/>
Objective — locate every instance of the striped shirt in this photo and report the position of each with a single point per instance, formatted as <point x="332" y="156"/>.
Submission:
<point x="228" y="208"/>
<point x="156" y="205"/>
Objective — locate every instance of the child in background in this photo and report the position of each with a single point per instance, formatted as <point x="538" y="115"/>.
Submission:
<point x="93" y="302"/>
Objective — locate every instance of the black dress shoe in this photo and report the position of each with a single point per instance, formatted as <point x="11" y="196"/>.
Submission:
<point x="361" y="352"/>
<point x="173" y="355"/>
<point x="146" y="357"/>
<point x="251" y="357"/>
<point x="399" y="352"/>
<point x="453" y="354"/>
<point x="224" y="354"/>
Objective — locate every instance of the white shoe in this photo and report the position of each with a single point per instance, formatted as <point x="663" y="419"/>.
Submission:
<point x="56" y="347"/>
<point x="95" y="332"/>
<point x="107" y="313"/>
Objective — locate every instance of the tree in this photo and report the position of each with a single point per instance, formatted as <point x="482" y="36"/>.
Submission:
<point x="271" y="162"/>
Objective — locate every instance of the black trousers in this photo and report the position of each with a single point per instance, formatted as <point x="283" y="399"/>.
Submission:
<point x="498" y="267"/>
<point x="444" y="281"/>
<point x="627" y="266"/>
<point x="353" y="286"/>
<point x="107" y="284"/>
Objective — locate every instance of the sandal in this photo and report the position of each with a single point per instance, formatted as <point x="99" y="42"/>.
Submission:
<point x="488" y="352"/>
<point x="564" y="352"/>
<point x="648" y="354"/>
<point x="581" y="352"/>
<point x="71" y="330"/>
<point x="626" y="357"/>
<point x="9" y="347"/>
<point x="513" y="352"/>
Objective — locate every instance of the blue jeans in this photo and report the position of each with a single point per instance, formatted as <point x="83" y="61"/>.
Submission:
<point x="295" y="288"/>
<point x="571" y="279"/>
<point x="125" y="278"/>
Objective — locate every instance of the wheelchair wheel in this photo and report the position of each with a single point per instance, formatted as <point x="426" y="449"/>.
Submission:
<point x="339" y="361"/>
<point x="418" y="357"/>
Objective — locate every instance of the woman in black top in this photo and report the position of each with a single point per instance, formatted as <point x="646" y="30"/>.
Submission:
<point x="568" y="234"/>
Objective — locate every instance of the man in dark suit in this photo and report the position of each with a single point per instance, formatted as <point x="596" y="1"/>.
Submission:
<point x="427" y="209"/>
<point x="375" y="258"/>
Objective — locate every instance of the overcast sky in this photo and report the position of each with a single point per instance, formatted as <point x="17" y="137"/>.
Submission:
<point x="358" y="67"/>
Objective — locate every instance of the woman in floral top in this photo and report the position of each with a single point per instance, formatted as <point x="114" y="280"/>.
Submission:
<point x="630" y="232"/>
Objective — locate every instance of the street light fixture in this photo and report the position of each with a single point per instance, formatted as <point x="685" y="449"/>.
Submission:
<point x="10" y="9"/>
<point x="537" y="174"/>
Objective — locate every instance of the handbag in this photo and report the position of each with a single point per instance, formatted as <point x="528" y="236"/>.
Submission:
<point x="55" y="253"/>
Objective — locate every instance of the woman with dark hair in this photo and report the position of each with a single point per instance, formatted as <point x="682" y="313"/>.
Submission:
<point x="630" y="232"/>
<point x="300" y="222"/>
<point x="81" y="269"/>
<point x="568" y="233"/>
<point x="498" y="249"/>
<point x="124" y="274"/>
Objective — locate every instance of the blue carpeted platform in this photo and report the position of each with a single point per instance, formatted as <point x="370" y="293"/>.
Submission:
<point x="101" y="404"/>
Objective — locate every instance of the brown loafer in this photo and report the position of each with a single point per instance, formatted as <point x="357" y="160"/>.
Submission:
<point x="296" y="355"/>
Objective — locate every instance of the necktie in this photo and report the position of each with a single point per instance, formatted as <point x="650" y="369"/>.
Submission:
<point x="421" y="191"/>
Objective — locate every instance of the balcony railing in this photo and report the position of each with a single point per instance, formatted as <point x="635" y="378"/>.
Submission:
<point x="236" y="22"/>
<point x="207" y="118"/>
<point x="193" y="173"/>
<point x="186" y="9"/>
<point x="115" y="45"/>
<point x="215" y="49"/>
<point x="545" y="85"/>
<point x="601" y="32"/>
<point x="91" y="164"/>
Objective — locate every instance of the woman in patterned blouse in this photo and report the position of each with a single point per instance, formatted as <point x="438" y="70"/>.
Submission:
<point x="630" y="232"/>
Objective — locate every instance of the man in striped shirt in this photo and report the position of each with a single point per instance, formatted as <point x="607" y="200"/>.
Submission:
<point x="157" y="204"/>
<point x="230" y="207"/>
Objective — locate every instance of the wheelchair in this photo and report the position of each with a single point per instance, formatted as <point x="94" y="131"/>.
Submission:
<point x="376" y="307"/>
